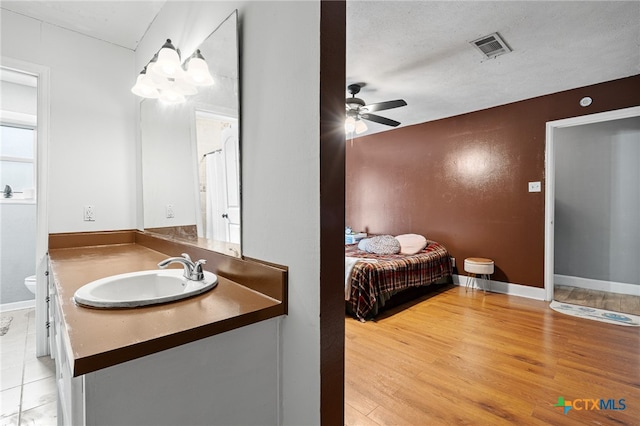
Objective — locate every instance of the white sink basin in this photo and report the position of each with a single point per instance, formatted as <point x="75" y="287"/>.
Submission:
<point x="142" y="288"/>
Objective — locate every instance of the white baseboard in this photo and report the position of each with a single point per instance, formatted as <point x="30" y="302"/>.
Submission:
<point x="14" y="306"/>
<point x="502" y="287"/>
<point x="610" y="286"/>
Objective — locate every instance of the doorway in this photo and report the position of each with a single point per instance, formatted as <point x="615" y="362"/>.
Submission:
<point x="218" y="165"/>
<point x="588" y="219"/>
<point x="40" y="74"/>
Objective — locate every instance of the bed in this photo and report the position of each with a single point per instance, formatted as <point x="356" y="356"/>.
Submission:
<point x="372" y="279"/>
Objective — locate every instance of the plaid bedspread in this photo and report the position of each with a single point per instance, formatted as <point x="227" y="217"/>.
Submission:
<point x="371" y="282"/>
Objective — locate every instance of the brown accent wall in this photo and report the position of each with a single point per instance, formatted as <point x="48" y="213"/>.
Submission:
<point x="463" y="180"/>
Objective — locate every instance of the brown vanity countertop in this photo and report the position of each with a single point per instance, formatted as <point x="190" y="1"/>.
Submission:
<point x="100" y="338"/>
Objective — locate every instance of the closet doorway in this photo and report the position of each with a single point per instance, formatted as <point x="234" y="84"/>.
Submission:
<point x="592" y="230"/>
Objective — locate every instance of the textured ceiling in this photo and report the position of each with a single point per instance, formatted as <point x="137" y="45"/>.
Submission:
<point x="419" y="50"/>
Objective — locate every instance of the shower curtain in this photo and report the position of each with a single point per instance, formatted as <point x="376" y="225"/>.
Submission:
<point x="216" y="226"/>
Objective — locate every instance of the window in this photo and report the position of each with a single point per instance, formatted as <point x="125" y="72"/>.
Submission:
<point x="17" y="157"/>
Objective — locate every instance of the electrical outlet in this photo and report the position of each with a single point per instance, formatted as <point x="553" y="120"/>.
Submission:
<point x="535" y="187"/>
<point x="89" y="213"/>
<point x="169" y="211"/>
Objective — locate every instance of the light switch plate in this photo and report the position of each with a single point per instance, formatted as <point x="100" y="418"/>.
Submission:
<point x="535" y="187"/>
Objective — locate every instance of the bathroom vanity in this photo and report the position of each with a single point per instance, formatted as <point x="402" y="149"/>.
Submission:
<point x="184" y="362"/>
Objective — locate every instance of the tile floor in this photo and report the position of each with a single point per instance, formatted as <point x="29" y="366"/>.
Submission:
<point x="28" y="387"/>
<point x="626" y="303"/>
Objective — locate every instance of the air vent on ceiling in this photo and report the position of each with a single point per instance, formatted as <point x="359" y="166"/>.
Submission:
<point x="491" y="45"/>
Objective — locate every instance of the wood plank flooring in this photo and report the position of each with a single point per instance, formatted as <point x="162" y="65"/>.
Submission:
<point x="597" y="299"/>
<point x="465" y="358"/>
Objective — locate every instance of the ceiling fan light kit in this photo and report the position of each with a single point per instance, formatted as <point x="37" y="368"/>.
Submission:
<point x="361" y="127"/>
<point x="357" y="111"/>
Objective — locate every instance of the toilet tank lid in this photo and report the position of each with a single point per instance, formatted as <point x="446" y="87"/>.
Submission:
<point x="31" y="278"/>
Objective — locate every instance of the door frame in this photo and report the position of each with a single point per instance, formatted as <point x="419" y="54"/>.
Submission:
<point x="42" y="190"/>
<point x="549" y="209"/>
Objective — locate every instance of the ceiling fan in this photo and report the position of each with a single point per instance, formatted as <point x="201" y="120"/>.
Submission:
<point x="357" y="111"/>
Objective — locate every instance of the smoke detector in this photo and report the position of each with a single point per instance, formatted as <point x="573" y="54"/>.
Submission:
<point x="491" y="45"/>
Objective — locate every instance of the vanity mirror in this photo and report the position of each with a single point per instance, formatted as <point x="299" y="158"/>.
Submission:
<point x="191" y="155"/>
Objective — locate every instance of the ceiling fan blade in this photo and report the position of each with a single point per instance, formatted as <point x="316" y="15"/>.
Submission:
<point x="385" y="105"/>
<point x="381" y="120"/>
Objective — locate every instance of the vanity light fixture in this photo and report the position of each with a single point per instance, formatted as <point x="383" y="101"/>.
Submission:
<point x="166" y="78"/>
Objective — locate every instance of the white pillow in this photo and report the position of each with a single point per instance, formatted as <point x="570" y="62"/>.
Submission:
<point x="411" y="243"/>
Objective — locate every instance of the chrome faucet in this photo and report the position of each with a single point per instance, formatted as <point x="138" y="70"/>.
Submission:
<point x="192" y="271"/>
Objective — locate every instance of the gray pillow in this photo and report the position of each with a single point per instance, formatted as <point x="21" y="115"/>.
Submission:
<point x="381" y="244"/>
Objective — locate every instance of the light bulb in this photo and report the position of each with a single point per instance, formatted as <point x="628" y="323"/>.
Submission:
<point x="349" y="124"/>
<point x="198" y="72"/>
<point x="143" y="89"/>
<point x="168" y="63"/>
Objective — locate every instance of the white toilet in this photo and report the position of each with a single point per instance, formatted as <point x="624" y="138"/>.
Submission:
<point x="30" y="283"/>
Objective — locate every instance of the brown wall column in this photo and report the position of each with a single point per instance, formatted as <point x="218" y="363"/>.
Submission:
<point x="332" y="209"/>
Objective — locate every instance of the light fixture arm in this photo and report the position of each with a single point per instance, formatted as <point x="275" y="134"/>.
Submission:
<point x="197" y="54"/>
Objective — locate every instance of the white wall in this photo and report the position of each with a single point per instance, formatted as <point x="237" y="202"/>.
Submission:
<point x="281" y="174"/>
<point x="92" y="129"/>
<point x="168" y="174"/>
<point x="17" y="250"/>
<point x="280" y="59"/>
